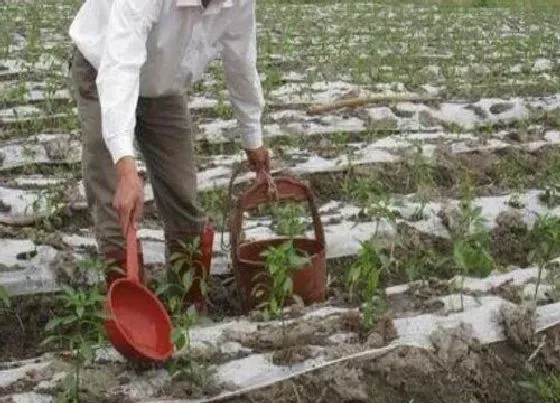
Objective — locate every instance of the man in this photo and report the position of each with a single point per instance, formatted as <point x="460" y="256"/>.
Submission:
<point x="132" y="62"/>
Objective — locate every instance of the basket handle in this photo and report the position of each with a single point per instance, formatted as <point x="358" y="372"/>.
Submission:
<point x="286" y="188"/>
<point x="132" y="254"/>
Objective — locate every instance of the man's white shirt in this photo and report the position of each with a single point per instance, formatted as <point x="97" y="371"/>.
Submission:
<point x="154" y="48"/>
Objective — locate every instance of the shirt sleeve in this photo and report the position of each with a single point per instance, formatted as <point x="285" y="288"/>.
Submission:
<point x="239" y="59"/>
<point x="118" y="77"/>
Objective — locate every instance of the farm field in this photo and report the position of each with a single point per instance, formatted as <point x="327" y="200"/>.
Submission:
<point x="439" y="197"/>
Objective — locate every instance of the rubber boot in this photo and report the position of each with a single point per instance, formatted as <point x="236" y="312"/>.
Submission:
<point x="202" y="260"/>
<point x="116" y="260"/>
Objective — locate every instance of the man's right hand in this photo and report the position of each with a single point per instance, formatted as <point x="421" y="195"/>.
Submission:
<point x="129" y="197"/>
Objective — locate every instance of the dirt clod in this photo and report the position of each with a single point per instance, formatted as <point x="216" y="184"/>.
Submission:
<point x="5" y="207"/>
<point x="519" y="323"/>
<point x="64" y="267"/>
<point x="375" y="340"/>
<point x="508" y="291"/>
<point x="57" y="149"/>
<point x="452" y="344"/>
<point x="501" y="107"/>
<point x="510" y="243"/>
<point x="511" y="220"/>
<point x="292" y="355"/>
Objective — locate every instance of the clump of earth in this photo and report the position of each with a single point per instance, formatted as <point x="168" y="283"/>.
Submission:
<point x="457" y="369"/>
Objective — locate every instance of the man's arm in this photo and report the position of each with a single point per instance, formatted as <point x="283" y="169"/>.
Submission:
<point x="118" y="77"/>
<point x="239" y="58"/>
<point x="118" y="82"/>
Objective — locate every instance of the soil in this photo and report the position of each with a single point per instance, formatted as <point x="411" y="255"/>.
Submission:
<point x="416" y="300"/>
<point x="224" y="298"/>
<point x="97" y="380"/>
<point x="519" y="324"/>
<point x="493" y="173"/>
<point x="458" y="370"/>
<point x="508" y="292"/>
<point x="292" y="355"/>
<point x="22" y="326"/>
<point x="291" y="344"/>
<point x="511" y="242"/>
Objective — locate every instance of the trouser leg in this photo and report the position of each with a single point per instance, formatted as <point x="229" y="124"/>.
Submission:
<point x="98" y="171"/>
<point x="165" y="137"/>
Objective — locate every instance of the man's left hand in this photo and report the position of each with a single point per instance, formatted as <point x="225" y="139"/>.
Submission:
<point x="259" y="159"/>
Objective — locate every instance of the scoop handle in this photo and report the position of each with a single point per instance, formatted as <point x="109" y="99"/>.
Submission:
<point x="132" y="254"/>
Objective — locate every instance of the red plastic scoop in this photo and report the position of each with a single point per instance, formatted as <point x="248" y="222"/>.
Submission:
<point x="139" y="328"/>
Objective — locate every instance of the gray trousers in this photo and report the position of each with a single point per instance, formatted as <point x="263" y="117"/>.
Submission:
<point x="164" y="136"/>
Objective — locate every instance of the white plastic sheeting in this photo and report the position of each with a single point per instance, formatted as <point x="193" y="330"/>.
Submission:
<point x="256" y="370"/>
<point x="343" y="236"/>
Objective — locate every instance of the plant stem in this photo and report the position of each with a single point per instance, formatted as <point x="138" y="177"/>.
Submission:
<point x="18" y="317"/>
<point x="191" y="370"/>
<point x="538" y="282"/>
<point x="78" y="366"/>
<point x="462" y="287"/>
<point x="282" y="299"/>
<point x="283" y="328"/>
<point x="376" y="227"/>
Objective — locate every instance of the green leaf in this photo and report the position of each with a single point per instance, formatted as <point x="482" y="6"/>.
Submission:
<point x="51" y="339"/>
<point x="280" y="277"/>
<point x="527" y="385"/>
<point x="187" y="281"/>
<point x="54" y="323"/>
<point x="373" y="279"/>
<point x="288" y="285"/>
<point x="162" y="289"/>
<point x="354" y="273"/>
<point x="273" y="306"/>
<point x="177" y="256"/>
<point x="204" y="288"/>
<point x="266" y="314"/>
<point x="99" y="298"/>
<point x="178" y="338"/>
<point x="80" y="311"/>
<point x="273" y="269"/>
<point x="298" y="262"/>
<point x="102" y="315"/>
<point x="458" y="255"/>
<point x="411" y="272"/>
<point x="385" y="260"/>
<point x="191" y="312"/>
<point x="68" y="320"/>
<point x="5" y="298"/>
<point x="170" y="366"/>
<point x="87" y="352"/>
<point x="68" y="290"/>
